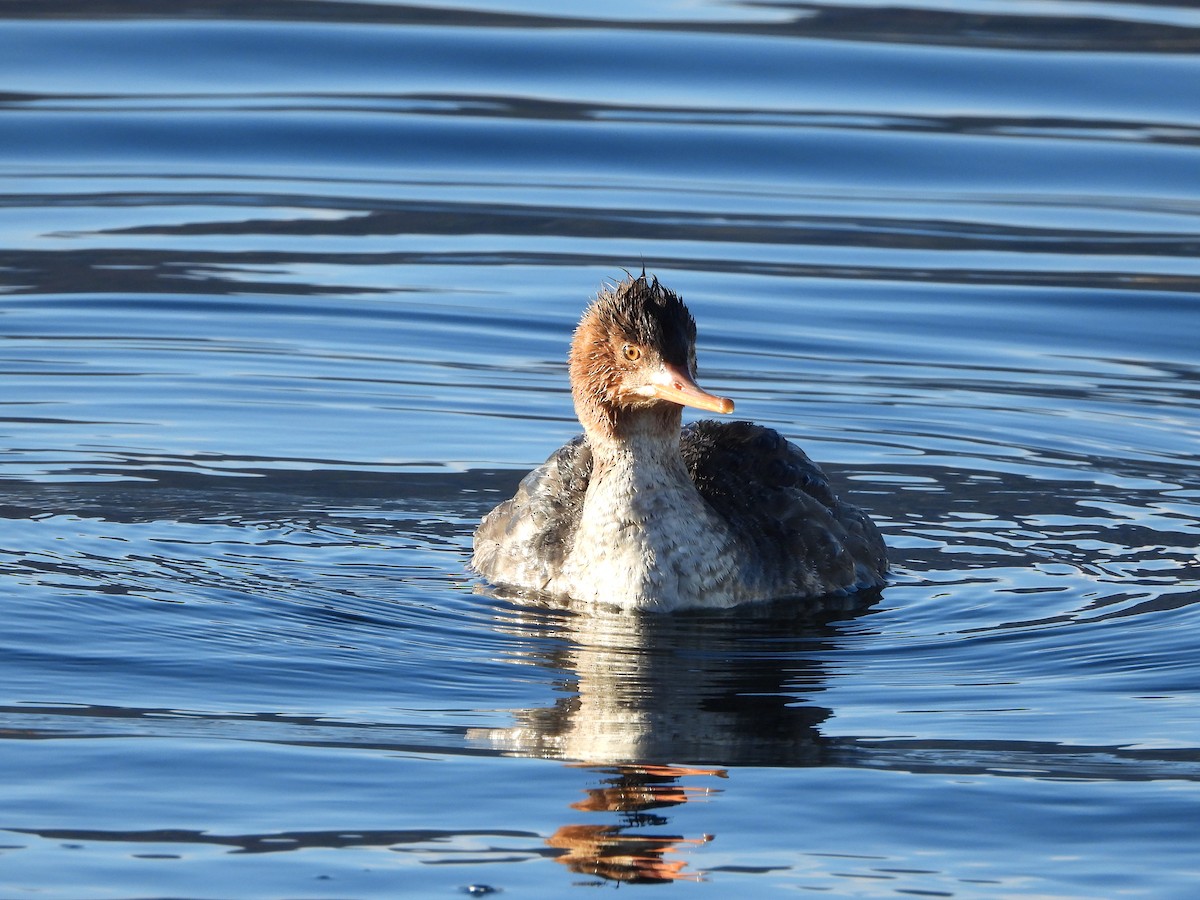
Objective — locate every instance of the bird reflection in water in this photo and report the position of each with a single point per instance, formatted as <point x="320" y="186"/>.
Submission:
<point x="623" y="852"/>
<point x="636" y="692"/>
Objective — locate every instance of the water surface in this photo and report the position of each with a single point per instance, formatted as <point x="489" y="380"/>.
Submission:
<point x="286" y="294"/>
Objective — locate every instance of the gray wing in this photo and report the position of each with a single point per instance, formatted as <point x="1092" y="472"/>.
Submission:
<point x="525" y="539"/>
<point x="781" y="505"/>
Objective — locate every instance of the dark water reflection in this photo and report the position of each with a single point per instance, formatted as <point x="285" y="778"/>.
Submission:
<point x="1150" y="27"/>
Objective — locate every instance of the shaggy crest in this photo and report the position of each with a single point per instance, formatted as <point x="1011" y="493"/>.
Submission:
<point x="649" y="314"/>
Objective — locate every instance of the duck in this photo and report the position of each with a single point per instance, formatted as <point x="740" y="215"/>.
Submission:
<point x="642" y="513"/>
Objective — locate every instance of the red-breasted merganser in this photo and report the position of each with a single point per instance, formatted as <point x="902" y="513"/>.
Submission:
<point x="640" y="513"/>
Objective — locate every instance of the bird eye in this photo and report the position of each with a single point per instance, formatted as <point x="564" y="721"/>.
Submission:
<point x="632" y="353"/>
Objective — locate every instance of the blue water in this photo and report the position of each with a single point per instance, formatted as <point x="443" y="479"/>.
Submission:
<point x="285" y="295"/>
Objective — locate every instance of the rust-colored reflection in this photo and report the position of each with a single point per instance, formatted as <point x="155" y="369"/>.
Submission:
<point x="631" y="851"/>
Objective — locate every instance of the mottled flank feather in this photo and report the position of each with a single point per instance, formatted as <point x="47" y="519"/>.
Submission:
<point x="780" y="504"/>
<point x="529" y="536"/>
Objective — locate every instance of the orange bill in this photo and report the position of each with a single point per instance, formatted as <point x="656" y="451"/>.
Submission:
<point x="678" y="387"/>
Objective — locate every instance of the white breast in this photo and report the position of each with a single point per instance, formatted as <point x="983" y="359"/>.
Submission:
<point x="647" y="540"/>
